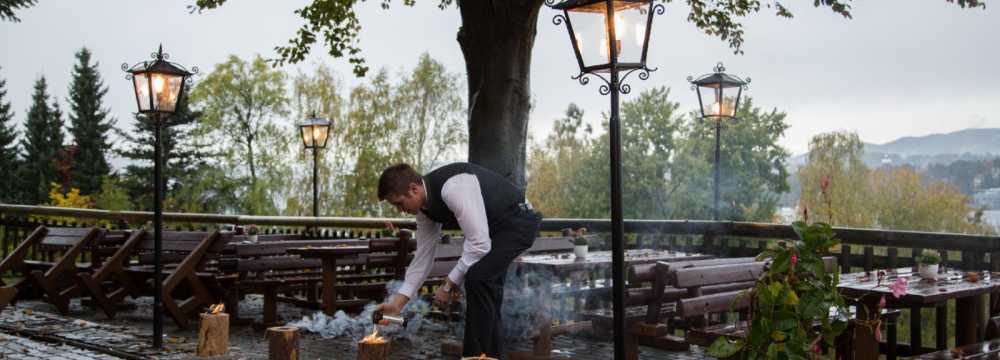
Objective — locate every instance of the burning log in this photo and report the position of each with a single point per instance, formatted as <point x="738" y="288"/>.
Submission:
<point x="373" y="347"/>
<point x="480" y="357"/>
<point x="213" y="337"/>
<point x="283" y="343"/>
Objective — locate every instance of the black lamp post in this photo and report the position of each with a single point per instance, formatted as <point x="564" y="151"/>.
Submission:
<point x="315" y="132"/>
<point x="158" y="85"/>
<point x="593" y="26"/>
<point x="716" y="89"/>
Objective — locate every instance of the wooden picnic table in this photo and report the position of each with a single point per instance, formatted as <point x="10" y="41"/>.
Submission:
<point x="329" y="256"/>
<point x="950" y="285"/>
<point x="989" y="350"/>
<point x="566" y="264"/>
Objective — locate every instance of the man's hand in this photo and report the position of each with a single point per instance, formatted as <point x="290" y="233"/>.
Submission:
<point x="392" y="307"/>
<point x="444" y="294"/>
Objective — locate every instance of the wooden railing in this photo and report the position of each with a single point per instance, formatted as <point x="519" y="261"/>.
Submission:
<point x="861" y="248"/>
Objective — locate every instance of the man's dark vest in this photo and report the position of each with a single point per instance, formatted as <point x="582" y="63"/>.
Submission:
<point x="499" y="194"/>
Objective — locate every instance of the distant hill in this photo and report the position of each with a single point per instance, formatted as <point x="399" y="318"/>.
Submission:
<point x="920" y="151"/>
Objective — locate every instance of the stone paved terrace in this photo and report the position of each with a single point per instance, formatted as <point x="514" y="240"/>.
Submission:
<point x="128" y="335"/>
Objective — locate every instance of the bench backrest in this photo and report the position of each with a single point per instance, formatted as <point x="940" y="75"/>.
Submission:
<point x="176" y="245"/>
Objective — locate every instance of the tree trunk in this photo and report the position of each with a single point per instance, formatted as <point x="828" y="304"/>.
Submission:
<point x="497" y="37"/>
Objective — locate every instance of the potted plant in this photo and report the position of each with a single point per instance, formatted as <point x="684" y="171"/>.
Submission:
<point x="252" y="232"/>
<point x="927" y="264"/>
<point x="580" y="242"/>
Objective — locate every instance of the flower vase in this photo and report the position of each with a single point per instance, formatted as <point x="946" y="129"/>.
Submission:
<point x="580" y="251"/>
<point x="928" y="271"/>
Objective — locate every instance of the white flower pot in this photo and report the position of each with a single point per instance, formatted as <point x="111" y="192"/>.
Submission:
<point x="252" y="238"/>
<point x="928" y="271"/>
<point x="580" y="251"/>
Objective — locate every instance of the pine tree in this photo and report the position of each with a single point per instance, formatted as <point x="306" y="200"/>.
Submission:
<point x="8" y="149"/>
<point x="89" y="125"/>
<point x="42" y="142"/>
<point x="181" y="155"/>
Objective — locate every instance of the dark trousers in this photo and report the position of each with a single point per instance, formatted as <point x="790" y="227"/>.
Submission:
<point x="485" y="280"/>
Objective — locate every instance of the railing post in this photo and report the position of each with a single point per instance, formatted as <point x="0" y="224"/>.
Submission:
<point x="892" y="261"/>
<point x="869" y="258"/>
<point x="845" y="258"/>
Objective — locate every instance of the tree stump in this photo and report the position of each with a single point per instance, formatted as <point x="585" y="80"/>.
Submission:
<point x="373" y="350"/>
<point x="284" y="343"/>
<point x="7" y="294"/>
<point x="213" y="337"/>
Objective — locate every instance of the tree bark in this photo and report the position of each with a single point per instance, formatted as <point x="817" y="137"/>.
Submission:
<point x="497" y="37"/>
<point x="283" y="343"/>
<point x="213" y="336"/>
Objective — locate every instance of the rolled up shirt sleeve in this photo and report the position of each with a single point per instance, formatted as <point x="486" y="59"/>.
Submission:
<point x="428" y="232"/>
<point x="463" y="196"/>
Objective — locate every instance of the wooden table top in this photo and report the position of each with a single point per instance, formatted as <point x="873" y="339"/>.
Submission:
<point x="323" y="251"/>
<point x="567" y="262"/>
<point x="950" y="285"/>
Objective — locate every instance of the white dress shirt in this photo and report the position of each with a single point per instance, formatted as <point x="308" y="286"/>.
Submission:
<point x="462" y="194"/>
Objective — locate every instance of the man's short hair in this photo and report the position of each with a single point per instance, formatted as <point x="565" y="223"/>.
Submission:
<point x="396" y="180"/>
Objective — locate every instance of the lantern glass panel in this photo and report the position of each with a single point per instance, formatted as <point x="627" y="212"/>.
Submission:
<point x="307" y="136"/>
<point x="718" y="102"/>
<point x="592" y="31"/>
<point x="141" y="84"/>
<point x="166" y="91"/>
<point x="320" y="134"/>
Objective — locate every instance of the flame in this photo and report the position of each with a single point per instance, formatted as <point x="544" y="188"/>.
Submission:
<point x="482" y="356"/>
<point x="215" y="309"/>
<point x="373" y="338"/>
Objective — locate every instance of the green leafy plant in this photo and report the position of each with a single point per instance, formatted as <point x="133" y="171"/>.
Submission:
<point x="252" y="230"/>
<point x="578" y="236"/>
<point x="790" y="305"/>
<point x="929" y="257"/>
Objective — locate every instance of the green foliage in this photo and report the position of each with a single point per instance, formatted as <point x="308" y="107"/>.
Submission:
<point x="183" y="159"/>
<point x="790" y="304"/>
<point x="7" y="8"/>
<point x="239" y="102"/>
<point x="751" y="165"/>
<point x="42" y="142"/>
<point x="112" y="196"/>
<point x="837" y="187"/>
<point x="668" y="159"/>
<point x="419" y="120"/>
<point x="929" y="257"/>
<point x="89" y="125"/>
<point x="9" y="151"/>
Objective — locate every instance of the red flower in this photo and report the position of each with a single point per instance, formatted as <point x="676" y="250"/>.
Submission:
<point x="795" y="260"/>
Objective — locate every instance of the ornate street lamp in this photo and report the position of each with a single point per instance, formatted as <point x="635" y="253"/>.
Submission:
<point x="158" y="86"/>
<point x="717" y="101"/>
<point x="608" y="37"/>
<point x="315" y="132"/>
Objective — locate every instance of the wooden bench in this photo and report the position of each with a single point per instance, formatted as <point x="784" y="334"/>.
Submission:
<point x="57" y="280"/>
<point x="187" y="258"/>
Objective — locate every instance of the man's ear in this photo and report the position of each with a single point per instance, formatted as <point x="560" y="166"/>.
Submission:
<point x="415" y="188"/>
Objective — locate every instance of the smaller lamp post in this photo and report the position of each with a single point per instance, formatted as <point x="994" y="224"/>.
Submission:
<point x="315" y="132"/>
<point x="158" y="86"/>
<point x="717" y="101"/>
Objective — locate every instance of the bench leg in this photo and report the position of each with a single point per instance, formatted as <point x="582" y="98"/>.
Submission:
<point x="180" y="318"/>
<point x="270" y="305"/>
<point x="97" y="294"/>
<point x="54" y="298"/>
<point x="631" y="347"/>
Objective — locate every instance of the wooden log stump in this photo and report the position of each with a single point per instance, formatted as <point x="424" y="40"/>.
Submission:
<point x="213" y="336"/>
<point x="373" y="350"/>
<point x="283" y="343"/>
<point x="7" y="294"/>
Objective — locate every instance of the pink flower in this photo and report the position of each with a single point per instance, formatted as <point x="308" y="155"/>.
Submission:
<point x="878" y="332"/>
<point x="815" y="349"/>
<point x="795" y="260"/>
<point x="898" y="288"/>
<point x="881" y="302"/>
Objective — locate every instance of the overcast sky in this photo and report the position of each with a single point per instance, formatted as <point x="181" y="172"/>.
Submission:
<point x="899" y="68"/>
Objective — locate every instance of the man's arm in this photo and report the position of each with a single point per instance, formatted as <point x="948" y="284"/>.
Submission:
<point x="428" y="232"/>
<point x="463" y="196"/>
